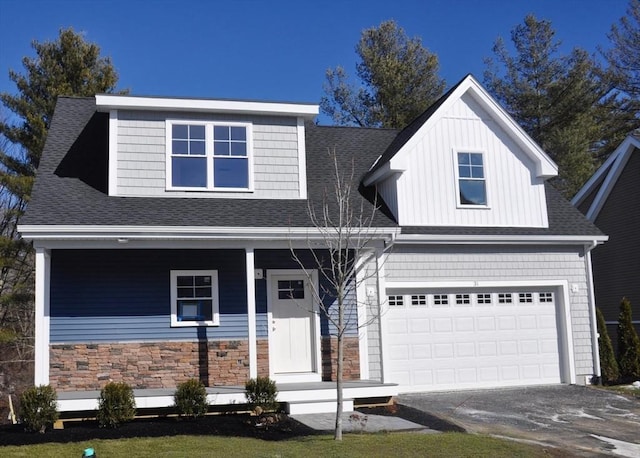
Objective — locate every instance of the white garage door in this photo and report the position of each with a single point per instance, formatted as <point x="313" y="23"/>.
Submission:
<point x="472" y="339"/>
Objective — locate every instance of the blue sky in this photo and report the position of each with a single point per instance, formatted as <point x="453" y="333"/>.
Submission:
<point x="279" y="50"/>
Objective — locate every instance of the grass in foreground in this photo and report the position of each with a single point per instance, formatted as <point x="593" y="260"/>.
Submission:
<point x="353" y="445"/>
<point x="622" y="389"/>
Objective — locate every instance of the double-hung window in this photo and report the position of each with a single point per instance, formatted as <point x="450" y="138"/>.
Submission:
<point x="471" y="179"/>
<point x="208" y="156"/>
<point x="194" y="298"/>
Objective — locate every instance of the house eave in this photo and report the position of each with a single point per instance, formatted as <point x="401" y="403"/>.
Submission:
<point x="123" y="234"/>
<point x="109" y="102"/>
<point x="437" y="239"/>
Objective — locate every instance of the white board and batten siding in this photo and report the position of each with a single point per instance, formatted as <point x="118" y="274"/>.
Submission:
<point x="427" y="190"/>
<point x="558" y="270"/>
<point x="141" y="156"/>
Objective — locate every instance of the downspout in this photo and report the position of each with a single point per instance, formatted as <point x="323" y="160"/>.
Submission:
<point x="592" y="311"/>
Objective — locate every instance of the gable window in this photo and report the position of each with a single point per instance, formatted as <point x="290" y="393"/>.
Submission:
<point x="208" y="156"/>
<point x="471" y="179"/>
<point x="194" y="298"/>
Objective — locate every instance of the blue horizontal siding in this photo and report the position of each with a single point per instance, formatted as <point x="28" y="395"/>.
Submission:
<point x="124" y="295"/>
<point x="151" y="328"/>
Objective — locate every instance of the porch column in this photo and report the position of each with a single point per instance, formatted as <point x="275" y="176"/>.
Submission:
<point x="251" y="312"/>
<point x="382" y="307"/>
<point x="43" y="274"/>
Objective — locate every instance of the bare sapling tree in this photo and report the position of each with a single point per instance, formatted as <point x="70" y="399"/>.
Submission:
<point x="341" y="250"/>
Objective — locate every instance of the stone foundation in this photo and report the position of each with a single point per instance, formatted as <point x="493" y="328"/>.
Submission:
<point x="351" y="364"/>
<point x="80" y="367"/>
<point x="77" y="367"/>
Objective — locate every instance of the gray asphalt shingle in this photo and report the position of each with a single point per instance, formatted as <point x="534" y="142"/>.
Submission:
<point x="70" y="187"/>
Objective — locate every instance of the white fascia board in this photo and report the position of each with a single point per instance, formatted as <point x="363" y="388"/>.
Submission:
<point x="627" y="144"/>
<point x="545" y="167"/>
<point x="108" y="102"/>
<point x="58" y="232"/>
<point x="424" y="239"/>
<point x="620" y="158"/>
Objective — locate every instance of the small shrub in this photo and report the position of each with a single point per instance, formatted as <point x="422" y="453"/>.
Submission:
<point x="262" y="394"/>
<point x="116" y="405"/>
<point x="191" y="399"/>
<point x="39" y="408"/>
<point x="608" y="363"/>
<point x="628" y="344"/>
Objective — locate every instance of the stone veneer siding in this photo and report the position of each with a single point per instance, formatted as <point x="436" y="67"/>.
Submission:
<point x="351" y="366"/>
<point x="77" y="367"/>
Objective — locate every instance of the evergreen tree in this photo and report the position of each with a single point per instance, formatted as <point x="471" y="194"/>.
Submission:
<point x="628" y="344"/>
<point x="624" y="57"/>
<point x="67" y="66"/>
<point x="608" y="364"/>
<point x="565" y="103"/>
<point x="398" y="81"/>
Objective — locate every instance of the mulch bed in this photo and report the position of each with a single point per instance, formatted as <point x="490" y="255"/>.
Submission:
<point x="236" y="425"/>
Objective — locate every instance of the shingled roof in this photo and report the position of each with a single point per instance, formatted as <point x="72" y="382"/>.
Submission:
<point x="71" y="184"/>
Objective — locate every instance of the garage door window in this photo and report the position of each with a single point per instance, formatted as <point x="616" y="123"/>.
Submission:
<point x="525" y="298"/>
<point x="395" y="301"/>
<point x="419" y="300"/>
<point x="546" y="297"/>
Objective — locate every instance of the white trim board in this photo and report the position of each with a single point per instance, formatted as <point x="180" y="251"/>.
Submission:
<point x="108" y="102"/>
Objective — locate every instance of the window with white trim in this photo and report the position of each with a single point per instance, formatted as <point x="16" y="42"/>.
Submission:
<point x="471" y="179"/>
<point x="194" y="298"/>
<point x="208" y="156"/>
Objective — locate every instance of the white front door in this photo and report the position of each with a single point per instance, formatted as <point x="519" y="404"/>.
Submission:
<point x="292" y="339"/>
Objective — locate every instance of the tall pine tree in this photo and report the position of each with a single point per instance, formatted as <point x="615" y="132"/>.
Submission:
<point x="67" y="66"/>
<point x="398" y="81"/>
<point x="567" y="103"/>
<point x="624" y="57"/>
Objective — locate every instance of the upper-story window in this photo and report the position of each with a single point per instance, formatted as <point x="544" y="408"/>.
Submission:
<point x="471" y="179"/>
<point x="207" y="155"/>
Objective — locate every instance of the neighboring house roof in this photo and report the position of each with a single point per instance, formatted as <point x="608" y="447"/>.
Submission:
<point x="384" y="166"/>
<point x="595" y="192"/>
<point x="71" y="185"/>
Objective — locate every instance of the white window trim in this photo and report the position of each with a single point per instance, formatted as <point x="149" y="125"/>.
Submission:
<point x="208" y="125"/>
<point x="215" y="306"/>
<point x="459" y="204"/>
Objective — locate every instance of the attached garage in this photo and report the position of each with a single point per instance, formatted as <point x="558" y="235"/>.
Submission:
<point x="474" y="338"/>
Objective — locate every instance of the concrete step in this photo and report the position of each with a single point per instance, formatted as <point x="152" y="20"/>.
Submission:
<point x="304" y="407"/>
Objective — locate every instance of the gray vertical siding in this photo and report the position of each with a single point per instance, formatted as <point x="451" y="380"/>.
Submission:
<point x="142" y="155"/>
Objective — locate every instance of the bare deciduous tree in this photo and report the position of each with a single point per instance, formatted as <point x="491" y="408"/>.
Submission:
<point x="344" y="244"/>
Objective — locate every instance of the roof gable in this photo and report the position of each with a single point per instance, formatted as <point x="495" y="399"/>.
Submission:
<point x="391" y="160"/>
<point x="603" y="181"/>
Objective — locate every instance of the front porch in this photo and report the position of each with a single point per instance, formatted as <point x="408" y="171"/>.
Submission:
<point x="298" y="398"/>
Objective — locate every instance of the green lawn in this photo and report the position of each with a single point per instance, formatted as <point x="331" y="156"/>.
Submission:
<point x="364" y="445"/>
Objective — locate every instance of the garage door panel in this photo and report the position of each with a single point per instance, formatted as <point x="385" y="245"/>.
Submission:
<point x="478" y="342"/>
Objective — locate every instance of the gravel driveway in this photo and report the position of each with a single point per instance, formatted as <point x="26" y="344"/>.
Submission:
<point x="584" y="421"/>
